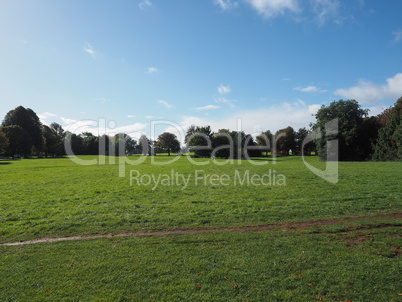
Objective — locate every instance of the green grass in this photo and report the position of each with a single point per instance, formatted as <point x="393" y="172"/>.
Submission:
<point x="55" y="197"/>
<point x="281" y="265"/>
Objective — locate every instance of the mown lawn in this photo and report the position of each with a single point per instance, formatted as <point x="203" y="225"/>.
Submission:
<point x="335" y="263"/>
<point x="56" y="197"/>
<point x="357" y="260"/>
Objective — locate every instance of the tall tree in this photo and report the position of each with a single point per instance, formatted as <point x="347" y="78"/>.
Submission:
<point x="53" y="139"/>
<point x="144" y="145"/>
<point x="29" y="123"/>
<point x="201" y="141"/>
<point x="168" y="142"/>
<point x="300" y="136"/>
<point x="265" y="140"/>
<point x="125" y="141"/>
<point x="223" y="144"/>
<point x="4" y="142"/>
<point x="350" y="120"/>
<point x="189" y="134"/>
<point x="285" y="140"/>
<point x="19" y="141"/>
<point x="90" y="143"/>
<point x="389" y="145"/>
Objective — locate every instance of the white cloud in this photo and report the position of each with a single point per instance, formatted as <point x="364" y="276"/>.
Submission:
<point x="307" y="89"/>
<point x="89" y="49"/>
<point x="164" y="103"/>
<point x="224" y="100"/>
<point x="144" y="4"/>
<point x="300" y="102"/>
<point x="224" y="89"/>
<point x="271" y="8"/>
<point x="225" y="4"/>
<point x="131" y="116"/>
<point x="326" y="9"/>
<point x="367" y="92"/>
<point x="46" y="115"/>
<point x="149" y="117"/>
<point x="152" y="70"/>
<point x="79" y="126"/>
<point x="208" y="107"/>
<point x="398" y="36"/>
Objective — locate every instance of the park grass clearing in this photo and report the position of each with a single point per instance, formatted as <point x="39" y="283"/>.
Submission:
<point x="48" y="198"/>
<point x="334" y="263"/>
<point x="58" y="198"/>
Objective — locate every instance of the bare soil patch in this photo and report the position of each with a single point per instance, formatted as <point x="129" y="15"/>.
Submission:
<point x="293" y="226"/>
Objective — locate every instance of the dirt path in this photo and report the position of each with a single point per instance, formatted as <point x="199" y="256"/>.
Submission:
<point x="295" y="225"/>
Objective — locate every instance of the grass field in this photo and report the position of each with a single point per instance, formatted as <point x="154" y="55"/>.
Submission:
<point x="44" y="198"/>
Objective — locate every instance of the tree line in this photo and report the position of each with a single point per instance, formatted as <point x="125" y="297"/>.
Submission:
<point x="359" y="137"/>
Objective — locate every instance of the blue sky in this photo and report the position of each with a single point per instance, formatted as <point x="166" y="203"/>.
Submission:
<point x="269" y="63"/>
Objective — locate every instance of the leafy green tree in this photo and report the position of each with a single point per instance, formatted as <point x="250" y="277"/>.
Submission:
<point x="251" y="147"/>
<point x="389" y="144"/>
<point x="29" y="123"/>
<point x="50" y="141"/>
<point x="300" y="136"/>
<point x="124" y="141"/>
<point x="131" y="144"/>
<point x="168" y="142"/>
<point x="201" y="141"/>
<point x="4" y="142"/>
<point x="53" y="137"/>
<point x="189" y="134"/>
<point x="350" y="119"/>
<point x="367" y="138"/>
<point x="90" y="143"/>
<point x="19" y="141"/>
<point x="285" y="140"/>
<point x="144" y="145"/>
<point x="223" y="144"/>
<point x="104" y="145"/>
<point x="383" y="117"/>
<point x="265" y="140"/>
<point x="76" y="142"/>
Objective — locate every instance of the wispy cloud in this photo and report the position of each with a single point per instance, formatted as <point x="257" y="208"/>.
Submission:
<point x="225" y="5"/>
<point x="164" y="103"/>
<point x="144" y="4"/>
<point x="46" y="115"/>
<point x="89" y="49"/>
<point x="208" y="107"/>
<point x="224" y="89"/>
<point x="131" y="116"/>
<point x="80" y="126"/>
<point x="224" y="100"/>
<point x="398" y="36"/>
<point x="152" y="70"/>
<point x="326" y="10"/>
<point x="307" y="89"/>
<point x="367" y="92"/>
<point x="272" y="8"/>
